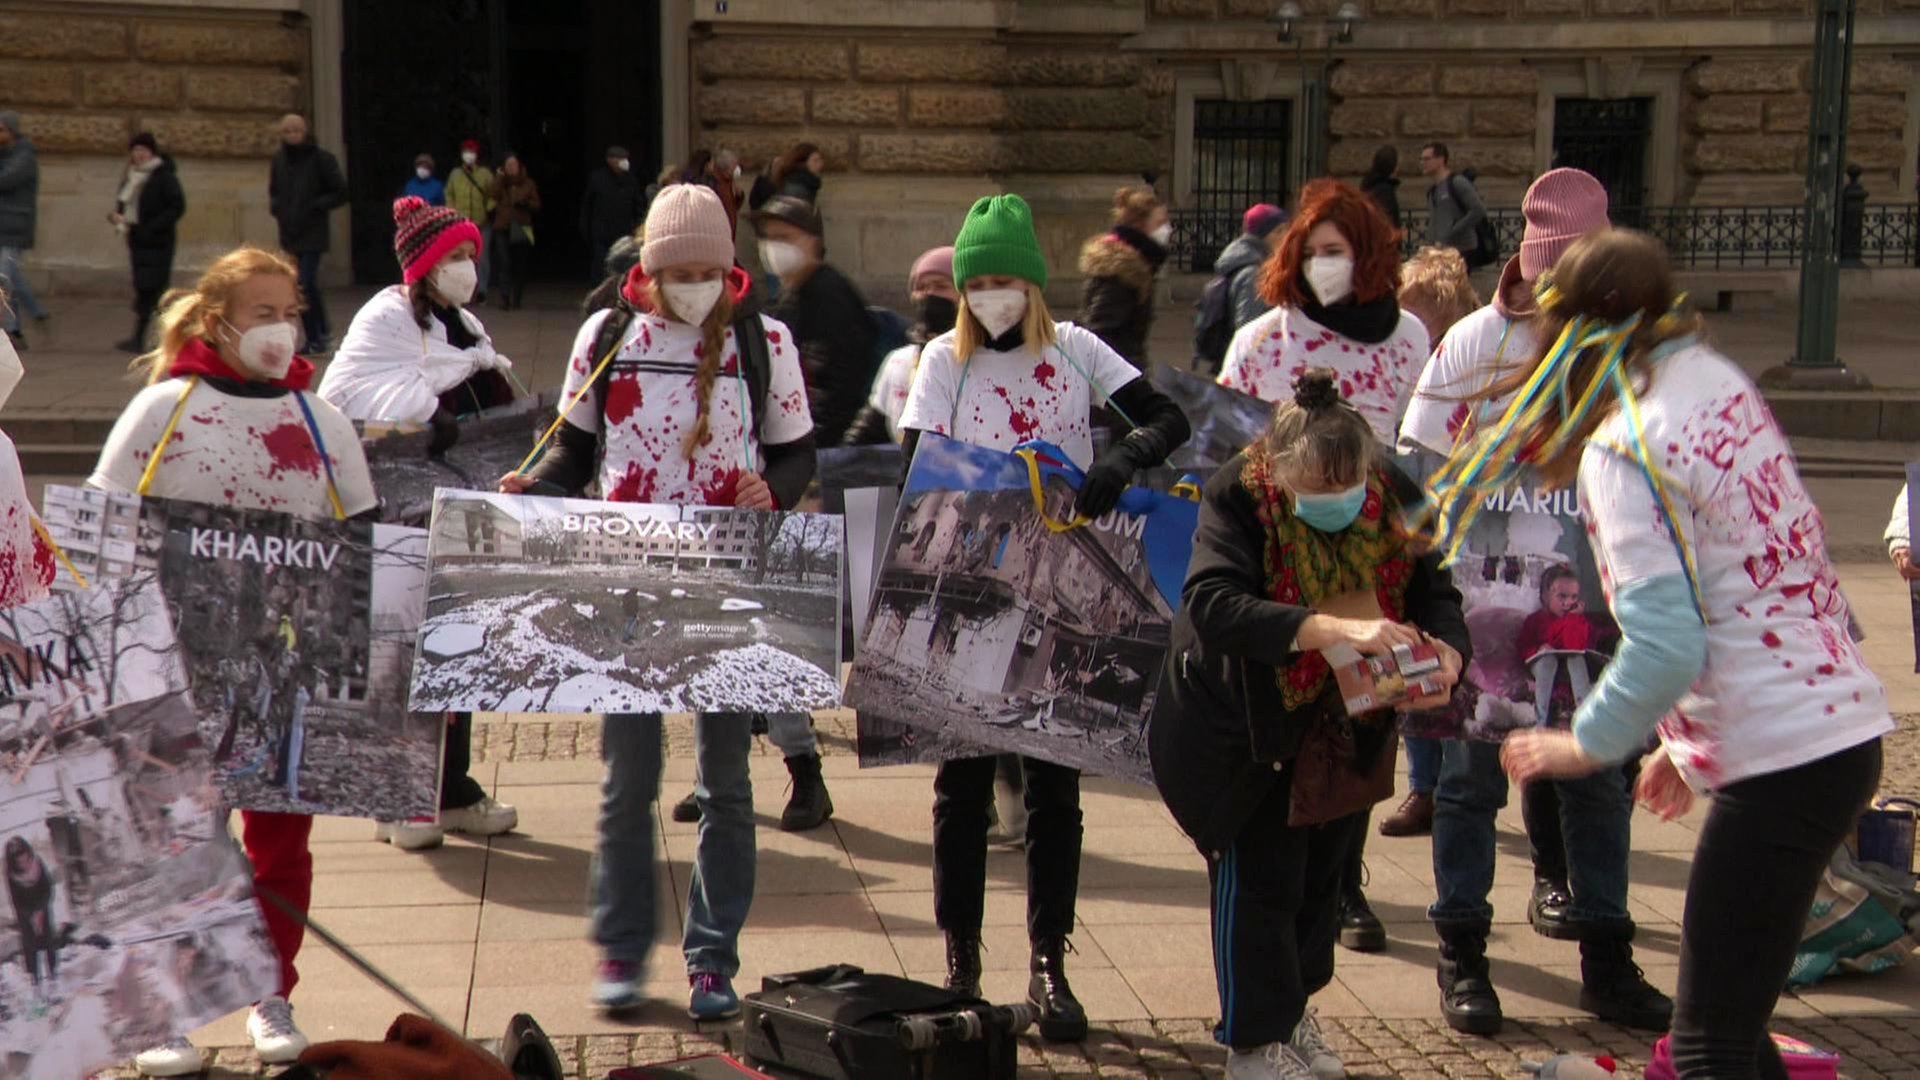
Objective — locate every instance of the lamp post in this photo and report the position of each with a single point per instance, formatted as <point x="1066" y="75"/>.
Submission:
<point x="1815" y="365"/>
<point x="1287" y="19"/>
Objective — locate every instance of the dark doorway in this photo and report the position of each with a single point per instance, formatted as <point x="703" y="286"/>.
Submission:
<point x="1608" y="138"/>
<point x="1242" y="155"/>
<point x="555" y="81"/>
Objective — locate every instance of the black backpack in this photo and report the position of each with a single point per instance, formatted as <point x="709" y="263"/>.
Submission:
<point x="755" y="363"/>
<point x="1213" y="321"/>
<point x="1486" y="239"/>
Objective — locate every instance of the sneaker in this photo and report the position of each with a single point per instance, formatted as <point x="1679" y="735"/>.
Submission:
<point x="275" y="1038"/>
<point x="484" y="818"/>
<point x="175" y="1057"/>
<point x="712" y="997"/>
<point x="1310" y="1046"/>
<point x="616" y="984"/>
<point x="687" y="810"/>
<point x="1274" y="1061"/>
<point x="413" y="834"/>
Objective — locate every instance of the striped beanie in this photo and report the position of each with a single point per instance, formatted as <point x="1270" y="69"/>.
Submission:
<point x="422" y="235"/>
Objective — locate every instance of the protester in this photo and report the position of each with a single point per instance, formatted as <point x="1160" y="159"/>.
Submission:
<point x="1232" y="299"/>
<point x="223" y="372"/>
<point x="1307" y="514"/>
<point x="26" y="564"/>
<point x="1435" y="289"/>
<point x="516" y="199"/>
<point x="837" y="339"/>
<point x="674" y="429"/>
<point x="795" y="173"/>
<point x="470" y="192"/>
<point x="936" y="305"/>
<point x="1382" y="186"/>
<point x="19" y="209"/>
<point x="423" y="184"/>
<point x="304" y="186"/>
<point x="1008" y="373"/>
<point x="609" y="208"/>
<point x="1594" y="811"/>
<point x="1331" y="280"/>
<point x="1789" y="754"/>
<point x="146" y="212"/>
<point x="1899" y="539"/>
<point x="1454" y="207"/>
<point x="1116" y="293"/>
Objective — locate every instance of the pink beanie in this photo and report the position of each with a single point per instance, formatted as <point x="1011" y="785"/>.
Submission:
<point x="1562" y="206"/>
<point x="686" y="224"/>
<point x="937" y="261"/>
<point x="423" y="235"/>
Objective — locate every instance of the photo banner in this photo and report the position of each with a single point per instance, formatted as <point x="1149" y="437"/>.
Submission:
<point x="131" y="916"/>
<point x="549" y="605"/>
<point x="862" y="483"/>
<point x="996" y="629"/>
<point x="1225" y="421"/>
<point x="491" y="444"/>
<point x="297" y="635"/>
<point x="1535" y="610"/>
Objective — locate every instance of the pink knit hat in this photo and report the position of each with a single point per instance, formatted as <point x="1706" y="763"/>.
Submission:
<point x="423" y="235"/>
<point x="686" y="224"/>
<point x="937" y="261"/>
<point x="1562" y="206"/>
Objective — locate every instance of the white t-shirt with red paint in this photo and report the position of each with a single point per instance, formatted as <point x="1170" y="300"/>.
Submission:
<point x="891" y="386"/>
<point x="1784" y="683"/>
<point x="1001" y="399"/>
<point x="1269" y="354"/>
<point x="652" y="401"/>
<point x="1478" y="349"/>
<point x="26" y="564"/>
<point x="254" y="453"/>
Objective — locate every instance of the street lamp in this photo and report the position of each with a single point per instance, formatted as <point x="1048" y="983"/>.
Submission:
<point x="1286" y="19"/>
<point x="1284" y="16"/>
<point x="1345" y="18"/>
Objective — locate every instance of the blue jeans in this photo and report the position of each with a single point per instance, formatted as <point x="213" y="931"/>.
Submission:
<point x="792" y="733"/>
<point x="314" y="319"/>
<point x="1423" y="764"/>
<point x="1595" y="814"/>
<point x="723" y="862"/>
<point x="622" y="872"/>
<point x="18" y="294"/>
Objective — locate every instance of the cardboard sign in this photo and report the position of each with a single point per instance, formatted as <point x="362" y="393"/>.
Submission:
<point x="491" y="444"/>
<point x="572" y="606"/>
<point x="1225" y="421"/>
<point x="298" y="639"/>
<point x="130" y="915"/>
<point x="992" y="629"/>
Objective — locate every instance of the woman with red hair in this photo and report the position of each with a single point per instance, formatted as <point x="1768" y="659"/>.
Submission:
<point x="1332" y="281"/>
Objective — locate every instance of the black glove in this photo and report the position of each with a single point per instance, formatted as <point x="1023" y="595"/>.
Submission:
<point x="1113" y="471"/>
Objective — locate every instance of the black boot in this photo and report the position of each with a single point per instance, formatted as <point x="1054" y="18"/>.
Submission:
<point x="1061" y="1017"/>
<point x="1613" y="988"/>
<point x="1547" y="912"/>
<point x="963" y="964"/>
<point x="687" y="809"/>
<point x="810" y="806"/>
<point x="1360" y="928"/>
<point x="1467" y="999"/>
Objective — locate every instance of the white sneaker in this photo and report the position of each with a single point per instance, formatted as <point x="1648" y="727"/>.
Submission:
<point x="484" y="818"/>
<point x="416" y="834"/>
<point x="1310" y="1046"/>
<point x="175" y="1057"/>
<point x="275" y="1038"/>
<point x="1274" y="1061"/>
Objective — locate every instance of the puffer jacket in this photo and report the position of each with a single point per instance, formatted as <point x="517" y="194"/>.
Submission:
<point x="1116" y="299"/>
<point x="1240" y="264"/>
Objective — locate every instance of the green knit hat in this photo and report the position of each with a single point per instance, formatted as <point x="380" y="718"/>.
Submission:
<point x="998" y="239"/>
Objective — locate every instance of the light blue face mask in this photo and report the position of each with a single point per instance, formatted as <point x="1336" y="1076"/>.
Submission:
<point x="1332" y="511"/>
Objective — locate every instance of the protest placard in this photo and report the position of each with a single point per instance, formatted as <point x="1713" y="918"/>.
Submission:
<point x="1225" y="421"/>
<point x="298" y="636"/>
<point x="490" y="445"/>
<point x="130" y="911"/>
<point x="992" y="628"/>
<point x="572" y="606"/>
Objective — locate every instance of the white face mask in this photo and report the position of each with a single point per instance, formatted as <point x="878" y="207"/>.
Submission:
<point x="999" y="310"/>
<point x="623" y="164"/>
<point x="266" y="350"/>
<point x="736" y="172"/>
<point x="782" y="258"/>
<point x="1331" y="277"/>
<point x="455" y="280"/>
<point x="11" y="370"/>
<point x="469" y="157"/>
<point x="693" y="302"/>
<point x="1163" y="235"/>
<point x="423" y="172"/>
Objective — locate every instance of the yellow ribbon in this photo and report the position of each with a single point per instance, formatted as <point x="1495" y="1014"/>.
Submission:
<point x="40" y="530"/>
<point x="1040" y="497"/>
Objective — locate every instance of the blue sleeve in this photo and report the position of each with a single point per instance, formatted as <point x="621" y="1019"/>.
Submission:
<point x="1663" y="646"/>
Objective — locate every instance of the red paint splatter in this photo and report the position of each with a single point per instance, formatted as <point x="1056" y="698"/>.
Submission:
<point x="623" y="397"/>
<point x="723" y="490"/>
<point x="290" y="449"/>
<point x="1024" y="426"/>
<point x="636" y="485"/>
<point x="1043" y="374"/>
<point x="1770" y="639"/>
<point x="1825" y="669"/>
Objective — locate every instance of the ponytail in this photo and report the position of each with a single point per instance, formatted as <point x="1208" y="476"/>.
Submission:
<point x="186" y="314"/>
<point x="1318" y="437"/>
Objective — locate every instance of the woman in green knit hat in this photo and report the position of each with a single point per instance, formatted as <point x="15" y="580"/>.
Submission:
<point x="1005" y="374"/>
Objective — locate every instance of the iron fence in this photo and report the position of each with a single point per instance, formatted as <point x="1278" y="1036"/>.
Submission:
<point x="1696" y="237"/>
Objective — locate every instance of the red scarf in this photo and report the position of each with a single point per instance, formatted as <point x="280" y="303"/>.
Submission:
<point x="199" y="358"/>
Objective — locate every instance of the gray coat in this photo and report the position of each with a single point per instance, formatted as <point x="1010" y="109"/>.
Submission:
<point x="1240" y="264"/>
<point x="19" y="192"/>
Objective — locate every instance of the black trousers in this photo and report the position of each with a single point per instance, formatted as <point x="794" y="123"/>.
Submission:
<point x="962" y="792"/>
<point x="1540" y="811"/>
<point x="1765" y="843"/>
<point x="1276" y="916"/>
<point x="457" y="789"/>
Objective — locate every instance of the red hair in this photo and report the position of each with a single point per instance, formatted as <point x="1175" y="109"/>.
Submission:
<point x="1375" y="242"/>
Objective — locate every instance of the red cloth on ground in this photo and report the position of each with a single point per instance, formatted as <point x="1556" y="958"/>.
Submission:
<point x="282" y="862"/>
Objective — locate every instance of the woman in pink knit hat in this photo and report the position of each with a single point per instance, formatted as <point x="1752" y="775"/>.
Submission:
<point x="700" y="402"/>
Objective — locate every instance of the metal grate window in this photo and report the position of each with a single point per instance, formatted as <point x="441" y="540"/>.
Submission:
<point x="1608" y="138"/>
<point x="1242" y="154"/>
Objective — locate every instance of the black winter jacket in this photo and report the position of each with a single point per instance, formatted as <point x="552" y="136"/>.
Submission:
<point x="1219" y="732"/>
<point x="611" y="207"/>
<point x="150" y="240"/>
<point x="1385" y="192"/>
<point x="304" y="186"/>
<point x="1116" y="299"/>
<point x="838" y="348"/>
